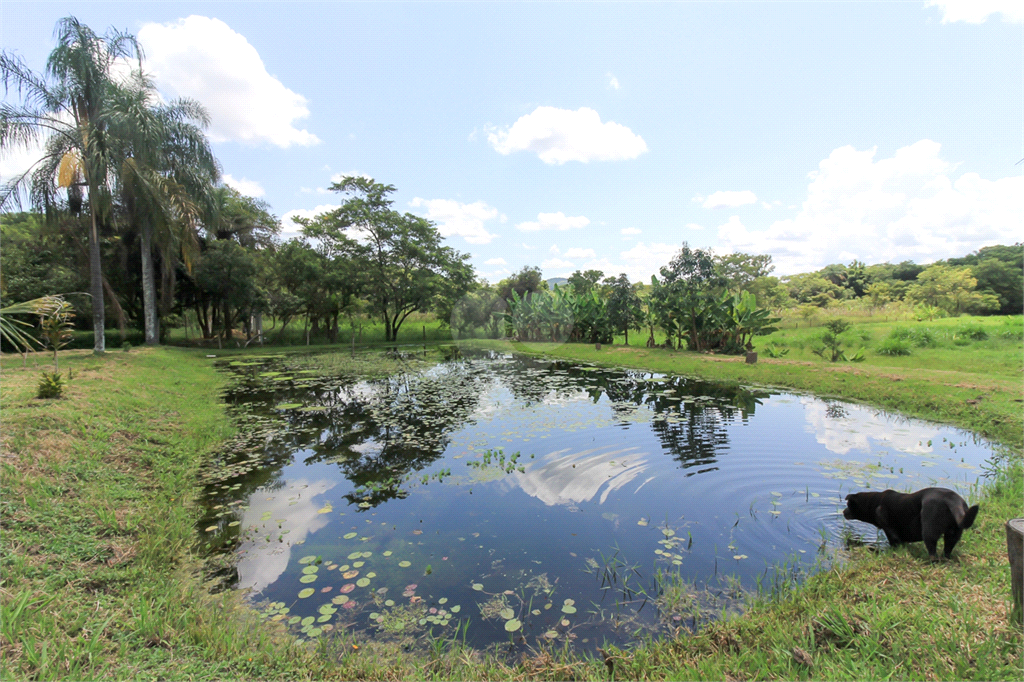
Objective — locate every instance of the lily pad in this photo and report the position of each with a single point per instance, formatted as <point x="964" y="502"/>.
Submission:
<point x="387" y="553"/>
<point x="348" y="575"/>
<point x="293" y="620"/>
<point x="308" y="592"/>
<point x="456" y="608"/>
<point x="362" y="582"/>
<point x="308" y="620"/>
<point x="345" y="589"/>
<point x="442" y="600"/>
<point x="739" y="556"/>
<point x="307" y="559"/>
<point x="340" y="599"/>
<point x="234" y="523"/>
<point x="310" y="569"/>
<point x="507" y="614"/>
<point x="307" y="578"/>
<point x="354" y="555"/>
<point x="513" y="625"/>
<point x="478" y="587"/>
<point x="349" y="536"/>
<point x="389" y="603"/>
<point x="568" y="609"/>
<point x="551" y="634"/>
<point x="405" y="564"/>
<point x="357" y="564"/>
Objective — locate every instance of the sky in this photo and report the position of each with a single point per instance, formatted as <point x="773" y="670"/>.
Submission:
<point x="583" y="135"/>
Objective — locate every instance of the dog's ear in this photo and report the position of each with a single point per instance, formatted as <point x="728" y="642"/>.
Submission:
<point x="848" y="496"/>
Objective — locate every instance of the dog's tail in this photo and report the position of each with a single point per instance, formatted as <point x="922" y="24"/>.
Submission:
<point x="968" y="517"/>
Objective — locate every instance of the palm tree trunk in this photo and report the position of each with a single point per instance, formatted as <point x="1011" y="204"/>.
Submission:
<point x="96" y="287"/>
<point x="149" y="288"/>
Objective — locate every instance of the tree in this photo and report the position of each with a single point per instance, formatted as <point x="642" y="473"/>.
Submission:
<point x="166" y="171"/>
<point x="741" y="269"/>
<point x="583" y="282"/>
<point x="401" y="256"/>
<point x="811" y="287"/>
<point x="526" y="281"/>
<point x="625" y="309"/>
<point x="70" y="110"/>
<point x="685" y="299"/>
<point x="952" y="289"/>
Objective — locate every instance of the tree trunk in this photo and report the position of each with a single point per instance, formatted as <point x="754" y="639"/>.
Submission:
<point x="96" y="287"/>
<point x="227" y="322"/>
<point x="152" y="320"/>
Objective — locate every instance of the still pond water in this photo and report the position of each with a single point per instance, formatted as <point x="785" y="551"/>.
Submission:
<point x="515" y="501"/>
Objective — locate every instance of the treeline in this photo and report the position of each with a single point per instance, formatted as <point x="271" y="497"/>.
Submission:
<point x="131" y="223"/>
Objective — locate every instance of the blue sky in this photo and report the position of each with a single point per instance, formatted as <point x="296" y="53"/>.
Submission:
<point x="577" y="135"/>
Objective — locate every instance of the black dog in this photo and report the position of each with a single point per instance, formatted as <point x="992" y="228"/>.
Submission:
<point x="925" y="515"/>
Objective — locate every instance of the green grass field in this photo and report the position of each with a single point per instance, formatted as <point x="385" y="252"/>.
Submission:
<point x="100" y="578"/>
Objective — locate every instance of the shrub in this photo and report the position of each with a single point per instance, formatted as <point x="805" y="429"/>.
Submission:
<point x="126" y="346"/>
<point x="975" y="332"/>
<point x="1012" y="329"/>
<point x="893" y="347"/>
<point x="51" y="385"/>
<point x="773" y="352"/>
<point x="919" y="337"/>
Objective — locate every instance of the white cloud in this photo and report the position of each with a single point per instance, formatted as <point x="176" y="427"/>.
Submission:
<point x="560" y="135"/>
<point x="16" y="160"/>
<point x="613" y="82"/>
<point x="206" y="60"/>
<point x="250" y="188"/>
<point x="557" y="264"/>
<point x="903" y="207"/>
<point x="729" y="199"/>
<point x="528" y="247"/>
<point x="554" y="221"/>
<point x="580" y="253"/>
<point x="289" y="228"/>
<point x="644" y="260"/>
<point x="496" y="261"/>
<point x="630" y="231"/>
<point x="977" y="11"/>
<point x="694" y="226"/>
<point x="464" y="220"/>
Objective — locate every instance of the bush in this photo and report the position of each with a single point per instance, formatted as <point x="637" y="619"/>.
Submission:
<point x="1012" y="329"/>
<point x="773" y="352"/>
<point x="975" y="332"/>
<point x="893" y="347"/>
<point x="919" y="337"/>
<point x="51" y="385"/>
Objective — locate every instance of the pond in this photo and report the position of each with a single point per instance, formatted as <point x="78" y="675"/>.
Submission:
<point x="514" y="501"/>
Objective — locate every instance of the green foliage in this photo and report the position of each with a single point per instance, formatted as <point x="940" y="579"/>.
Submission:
<point x="893" y="347"/>
<point x="831" y="348"/>
<point x="773" y="352"/>
<point x="51" y="385"/>
<point x="975" y="332"/>
<point x="56" y="324"/>
<point x="526" y="281"/>
<point x="953" y="289"/>
<point x="405" y="265"/>
<point x="921" y="337"/>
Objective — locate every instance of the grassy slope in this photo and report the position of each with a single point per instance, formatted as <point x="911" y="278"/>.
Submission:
<point x="99" y="581"/>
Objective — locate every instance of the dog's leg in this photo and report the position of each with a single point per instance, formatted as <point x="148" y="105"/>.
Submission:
<point x="950" y="539"/>
<point x="890" y="534"/>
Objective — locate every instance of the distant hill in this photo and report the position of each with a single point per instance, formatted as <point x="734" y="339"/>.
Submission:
<point x="560" y="281"/>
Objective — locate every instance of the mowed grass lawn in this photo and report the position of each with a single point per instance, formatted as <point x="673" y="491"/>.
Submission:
<point x="100" y="578"/>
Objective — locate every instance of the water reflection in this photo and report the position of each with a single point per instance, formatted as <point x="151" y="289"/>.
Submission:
<point x="493" y="471"/>
<point x="563" y="478"/>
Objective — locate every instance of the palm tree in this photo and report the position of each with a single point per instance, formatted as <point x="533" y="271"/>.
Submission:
<point x="69" y="109"/>
<point x="166" y="173"/>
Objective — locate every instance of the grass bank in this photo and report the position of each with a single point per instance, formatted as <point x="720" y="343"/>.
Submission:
<point x="99" y="576"/>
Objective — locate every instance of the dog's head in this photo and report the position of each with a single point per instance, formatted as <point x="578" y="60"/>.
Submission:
<point x="853" y="507"/>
